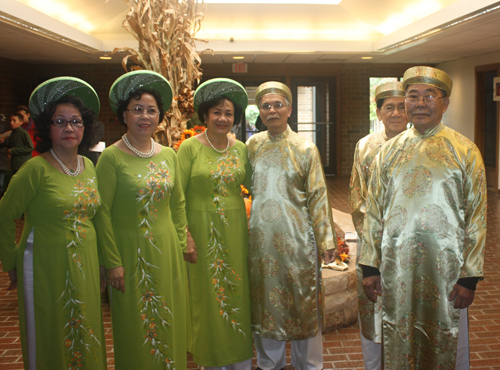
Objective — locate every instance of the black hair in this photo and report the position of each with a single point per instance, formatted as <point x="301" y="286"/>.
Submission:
<point x="204" y="107"/>
<point x="18" y="116"/>
<point x="137" y="94"/>
<point x="43" y="122"/>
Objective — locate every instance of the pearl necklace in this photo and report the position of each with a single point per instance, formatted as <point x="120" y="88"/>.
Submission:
<point x="214" y="148"/>
<point x="66" y="170"/>
<point x="138" y="152"/>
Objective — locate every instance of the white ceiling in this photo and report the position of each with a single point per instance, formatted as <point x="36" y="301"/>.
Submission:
<point x="390" y="31"/>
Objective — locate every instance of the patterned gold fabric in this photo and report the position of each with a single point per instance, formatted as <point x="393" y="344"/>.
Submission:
<point x="425" y="228"/>
<point x="367" y="148"/>
<point x="290" y="216"/>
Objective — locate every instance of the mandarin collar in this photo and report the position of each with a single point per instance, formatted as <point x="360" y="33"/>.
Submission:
<point x="430" y="131"/>
<point x="281" y="136"/>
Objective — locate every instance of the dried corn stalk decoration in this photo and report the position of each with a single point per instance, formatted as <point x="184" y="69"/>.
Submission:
<point x="165" y="30"/>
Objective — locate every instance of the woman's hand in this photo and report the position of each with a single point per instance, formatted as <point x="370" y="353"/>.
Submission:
<point x="190" y="254"/>
<point x="13" y="279"/>
<point x="116" y="278"/>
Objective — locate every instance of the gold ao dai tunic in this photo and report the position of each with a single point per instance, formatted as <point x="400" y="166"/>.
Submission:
<point x="367" y="148"/>
<point x="425" y="228"/>
<point x="290" y="217"/>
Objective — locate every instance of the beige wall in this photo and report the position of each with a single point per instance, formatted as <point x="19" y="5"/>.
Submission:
<point x="461" y="112"/>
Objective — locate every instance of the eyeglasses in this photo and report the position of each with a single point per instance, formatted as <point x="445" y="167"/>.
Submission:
<point x="392" y="109"/>
<point x="277" y="106"/>
<point x="426" y="98"/>
<point x="139" y="111"/>
<point x="61" y="123"/>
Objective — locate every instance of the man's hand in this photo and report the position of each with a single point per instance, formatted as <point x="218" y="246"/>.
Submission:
<point x="372" y="287"/>
<point x="190" y="255"/>
<point x="463" y="297"/>
<point x="329" y="256"/>
<point x="115" y="278"/>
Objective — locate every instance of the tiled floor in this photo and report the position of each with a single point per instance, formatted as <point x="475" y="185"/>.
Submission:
<point x="341" y="348"/>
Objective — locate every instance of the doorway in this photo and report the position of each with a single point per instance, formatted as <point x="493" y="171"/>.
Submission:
<point x="486" y="127"/>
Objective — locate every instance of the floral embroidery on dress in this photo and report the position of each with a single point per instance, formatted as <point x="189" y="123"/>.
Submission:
<point x="224" y="278"/>
<point x="227" y="171"/>
<point x="222" y="274"/>
<point x="79" y="337"/>
<point x="412" y="254"/>
<point x="154" y="312"/>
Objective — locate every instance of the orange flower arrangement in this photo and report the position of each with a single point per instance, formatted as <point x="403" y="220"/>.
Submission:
<point x="248" y="200"/>
<point x="186" y="134"/>
<point x="198" y="129"/>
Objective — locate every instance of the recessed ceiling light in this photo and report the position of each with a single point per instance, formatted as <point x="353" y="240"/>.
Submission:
<point x="366" y="57"/>
<point x="105" y="58"/>
<point x="238" y="57"/>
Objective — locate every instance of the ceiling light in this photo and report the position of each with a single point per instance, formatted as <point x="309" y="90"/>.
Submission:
<point x="306" y="2"/>
<point x="366" y="57"/>
<point x="105" y="58"/>
<point x="238" y="57"/>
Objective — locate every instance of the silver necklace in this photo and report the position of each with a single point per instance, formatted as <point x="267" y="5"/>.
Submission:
<point x="214" y="148"/>
<point x="138" y="152"/>
<point x="66" y="170"/>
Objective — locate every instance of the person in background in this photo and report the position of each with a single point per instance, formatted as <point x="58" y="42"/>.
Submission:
<point x="213" y="168"/>
<point x="291" y="228"/>
<point x="28" y="125"/>
<point x="389" y="98"/>
<point x="55" y="266"/>
<point x="19" y="144"/>
<point x="424" y="232"/>
<point x="3" y="158"/>
<point x="141" y="230"/>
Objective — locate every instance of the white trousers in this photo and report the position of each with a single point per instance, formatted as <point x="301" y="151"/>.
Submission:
<point x="372" y="352"/>
<point x="463" y="351"/>
<point x="307" y="354"/>
<point x="243" y="365"/>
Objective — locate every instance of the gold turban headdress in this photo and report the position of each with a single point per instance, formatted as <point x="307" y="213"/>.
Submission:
<point x="273" y="87"/>
<point x="389" y="90"/>
<point x="428" y="76"/>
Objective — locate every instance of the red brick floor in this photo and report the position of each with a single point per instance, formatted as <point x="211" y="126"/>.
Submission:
<point x="341" y="347"/>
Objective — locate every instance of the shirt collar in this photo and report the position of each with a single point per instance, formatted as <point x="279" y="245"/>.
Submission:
<point x="430" y="131"/>
<point x="281" y="136"/>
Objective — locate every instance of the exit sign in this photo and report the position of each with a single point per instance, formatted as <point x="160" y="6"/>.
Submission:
<point x="240" y="68"/>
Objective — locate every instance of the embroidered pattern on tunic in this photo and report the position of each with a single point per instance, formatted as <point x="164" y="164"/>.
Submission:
<point x="284" y="243"/>
<point x="440" y="151"/>
<point x="448" y="265"/>
<point x="285" y="187"/>
<point x="268" y="266"/>
<point x="281" y="298"/>
<point x="396" y="221"/>
<point x="156" y="316"/>
<point x="417" y="182"/>
<point x="439" y="334"/>
<point x="412" y="254"/>
<point x="270" y="155"/>
<point x="79" y="337"/>
<point x="299" y="276"/>
<point x="433" y="220"/>
<point x="401" y="293"/>
<point x="299" y="220"/>
<point x="389" y="257"/>
<point x="259" y="183"/>
<point x="268" y="322"/>
<point x="270" y="211"/>
<point x="466" y="142"/>
<point x="453" y="193"/>
<point x="256" y="238"/>
<point x="426" y="292"/>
